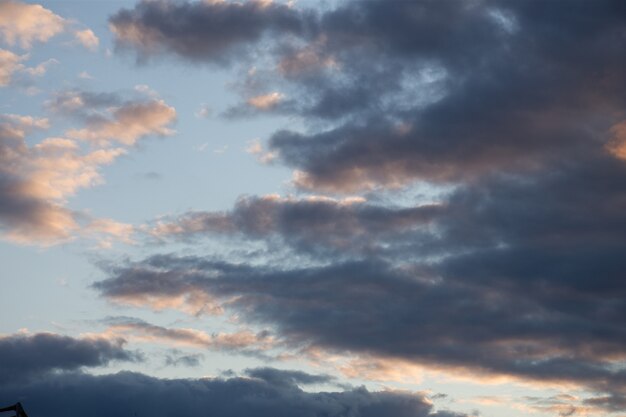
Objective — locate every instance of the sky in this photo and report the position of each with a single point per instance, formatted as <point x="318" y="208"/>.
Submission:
<point x="313" y="208"/>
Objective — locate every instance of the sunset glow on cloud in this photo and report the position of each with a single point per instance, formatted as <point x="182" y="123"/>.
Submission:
<point x="352" y="209"/>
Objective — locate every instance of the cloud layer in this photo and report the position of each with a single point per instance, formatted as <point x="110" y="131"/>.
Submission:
<point x="457" y="204"/>
<point x="438" y="104"/>
<point x="265" y="393"/>
<point x="511" y="114"/>
<point x="32" y="357"/>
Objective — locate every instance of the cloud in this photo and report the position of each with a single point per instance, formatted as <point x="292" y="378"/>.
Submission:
<point x="87" y="38"/>
<point x="24" y="24"/>
<point x="462" y="322"/>
<point x="12" y="69"/>
<point x="256" y="148"/>
<point x="10" y="63"/>
<point x="24" y="212"/>
<point x="243" y="341"/>
<point x="312" y="224"/>
<point x="107" y="231"/>
<point x="414" y="114"/>
<point x="42" y="68"/>
<point x="514" y="109"/>
<point x="281" y="377"/>
<point x="105" y="395"/>
<point x="35" y="181"/>
<point x="84" y="75"/>
<point x="265" y="101"/>
<point x="113" y="117"/>
<point x="82" y="103"/>
<point x="203" y="112"/>
<point x="215" y="31"/>
<point x="31" y="357"/>
<point x="395" y="127"/>
<point x="176" y="358"/>
<point x="128" y="123"/>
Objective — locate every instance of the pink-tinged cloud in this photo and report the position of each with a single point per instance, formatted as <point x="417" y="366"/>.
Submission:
<point x="24" y="24"/>
<point x="265" y="101"/>
<point x="12" y="68"/>
<point x="128" y="123"/>
<point x="87" y="38"/>
<point x="37" y="180"/>
<point x="240" y="341"/>
<point x="10" y="63"/>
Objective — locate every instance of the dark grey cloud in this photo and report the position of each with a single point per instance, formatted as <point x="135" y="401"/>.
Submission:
<point x="281" y="377"/>
<point x="312" y="224"/>
<point x="517" y="271"/>
<point x="175" y="357"/>
<point x="437" y="91"/>
<point x="501" y="296"/>
<point x="26" y="357"/>
<point x="202" y="31"/>
<point x="506" y="99"/>
<point x="141" y="395"/>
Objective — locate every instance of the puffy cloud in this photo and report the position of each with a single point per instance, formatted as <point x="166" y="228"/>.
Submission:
<point x="10" y="63"/>
<point x="87" y="38"/>
<point x="42" y="68"/>
<point x="237" y="397"/>
<point x="13" y="70"/>
<point x="26" y="357"/>
<point x="24" y="24"/>
<point x="25" y="215"/>
<point x="108" y="230"/>
<point x="36" y="181"/>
